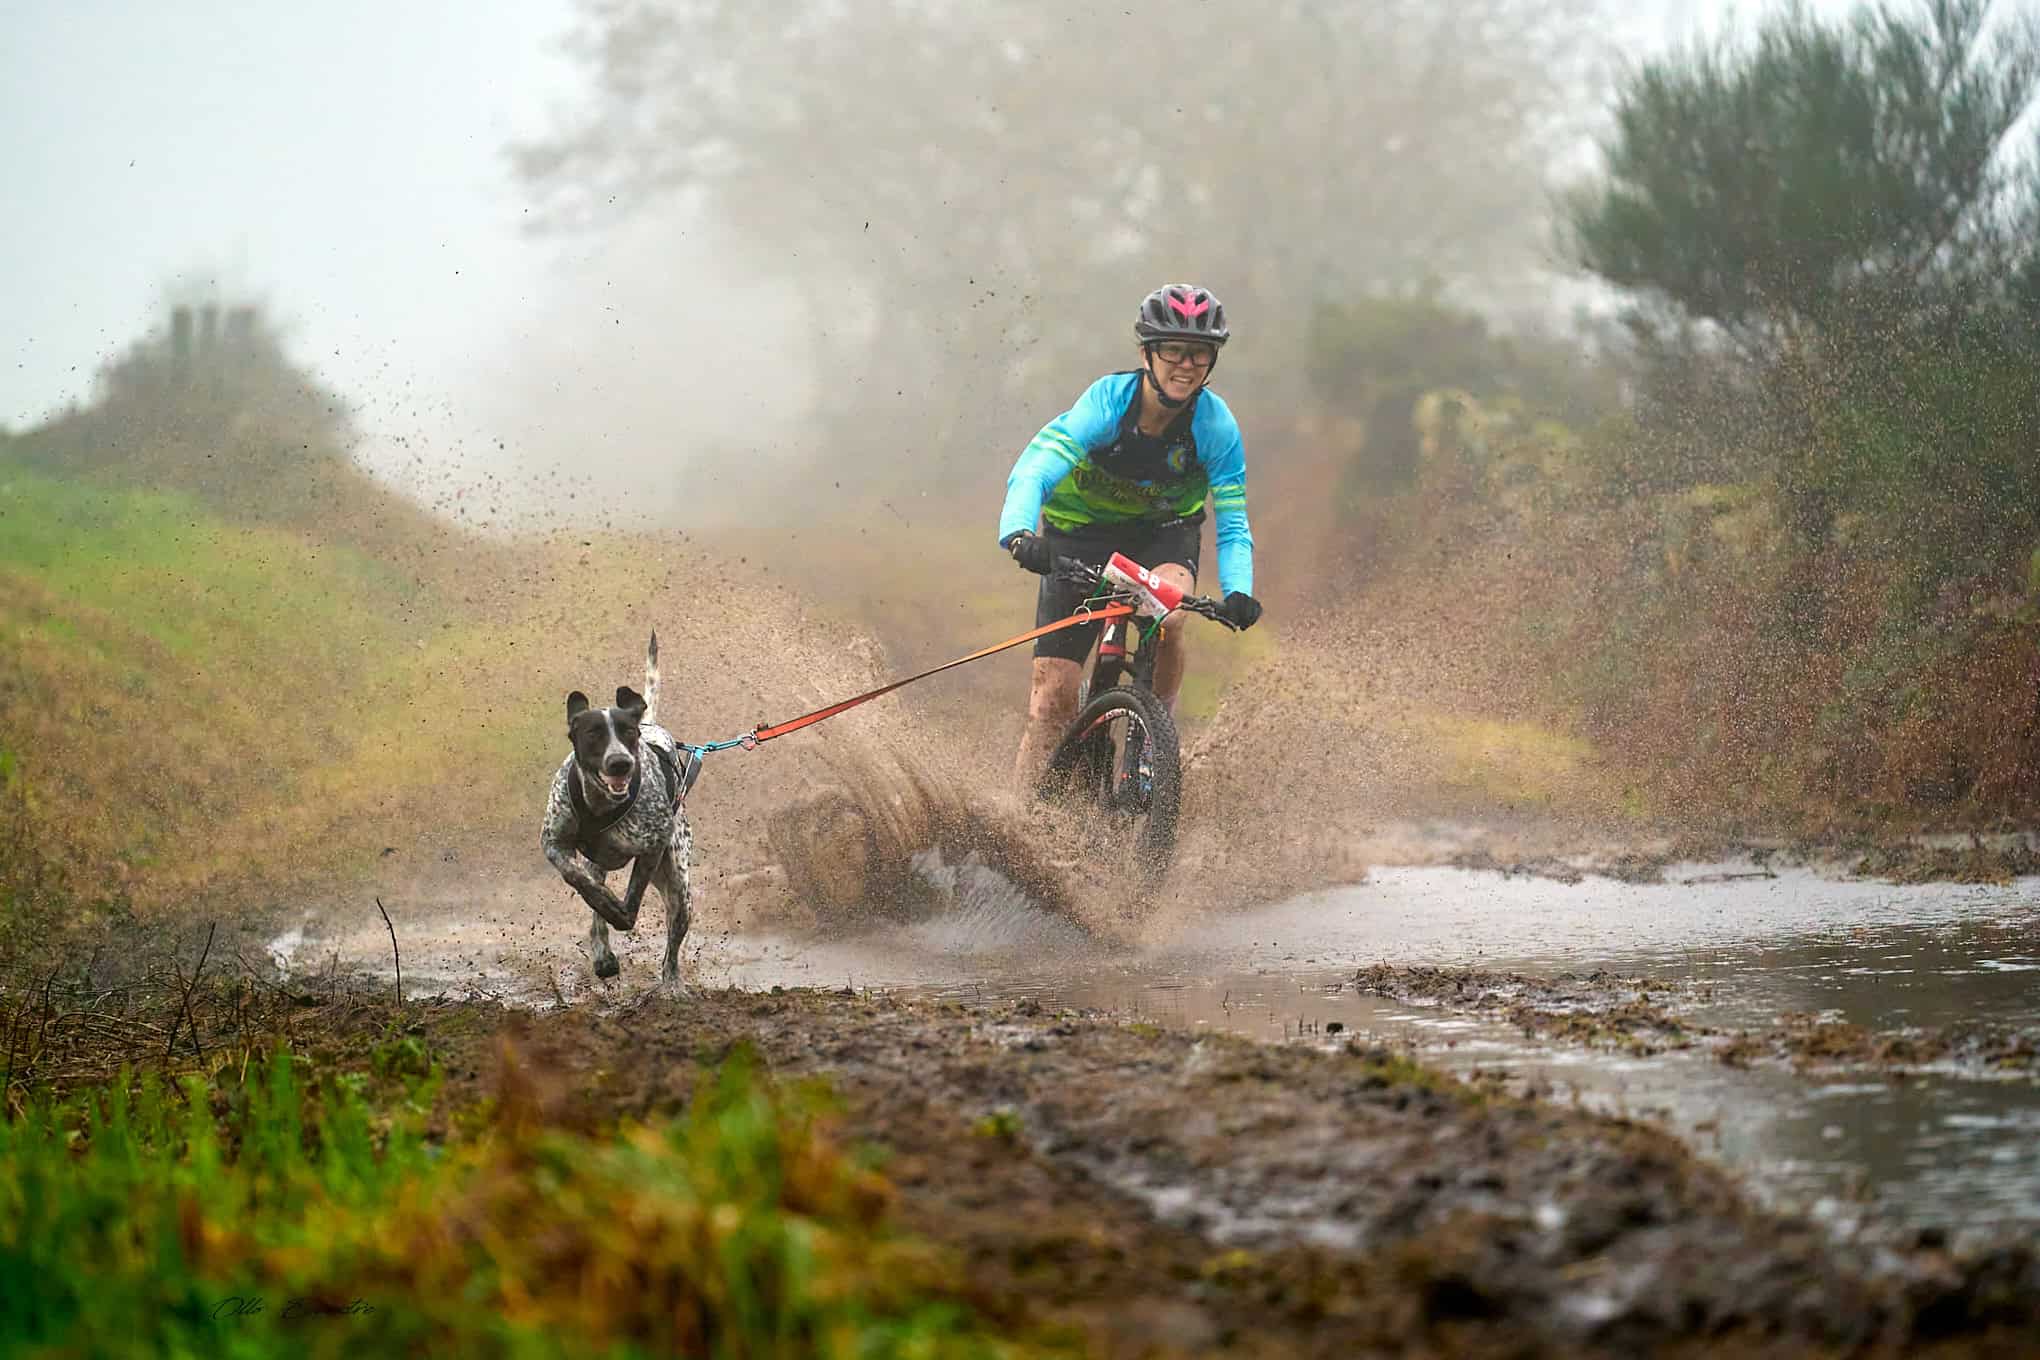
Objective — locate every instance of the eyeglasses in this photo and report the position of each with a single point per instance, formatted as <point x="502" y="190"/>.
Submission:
<point x="1194" y="356"/>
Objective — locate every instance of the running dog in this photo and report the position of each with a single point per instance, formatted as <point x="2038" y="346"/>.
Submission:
<point x="619" y="798"/>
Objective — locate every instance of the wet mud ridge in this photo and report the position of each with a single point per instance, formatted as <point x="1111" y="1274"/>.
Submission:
<point x="1899" y="857"/>
<point x="1644" y="1016"/>
<point x="1166" y="1194"/>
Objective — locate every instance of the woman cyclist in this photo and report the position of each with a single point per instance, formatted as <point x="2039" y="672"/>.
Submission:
<point x="1130" y="469"/>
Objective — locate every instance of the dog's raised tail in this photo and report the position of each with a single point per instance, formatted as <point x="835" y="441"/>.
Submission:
<point x="652" y="678"/>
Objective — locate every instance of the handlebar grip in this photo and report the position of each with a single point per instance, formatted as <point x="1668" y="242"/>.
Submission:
<point x="1074" y="569"/>
<point x="1205" y="607"/>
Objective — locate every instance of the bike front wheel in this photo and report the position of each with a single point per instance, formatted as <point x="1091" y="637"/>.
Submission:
<point x="1120" y="760"/>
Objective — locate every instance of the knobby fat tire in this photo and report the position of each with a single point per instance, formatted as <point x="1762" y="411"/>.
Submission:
<point x="1157" y="843"/>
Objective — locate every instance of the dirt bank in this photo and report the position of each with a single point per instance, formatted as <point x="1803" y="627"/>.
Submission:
<point x="1171" y="1195"/>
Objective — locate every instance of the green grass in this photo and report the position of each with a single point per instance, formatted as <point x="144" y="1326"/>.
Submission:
<point x="148" y="645"/>
<point x="1385" y="1068"/>
<point x="185" y="1221"/>
<point x="189" y="580"/>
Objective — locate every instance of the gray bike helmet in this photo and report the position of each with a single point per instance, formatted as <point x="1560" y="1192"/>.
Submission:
<point x="1181" y="311"/>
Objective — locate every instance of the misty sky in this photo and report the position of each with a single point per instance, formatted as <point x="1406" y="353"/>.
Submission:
<point x="343" y="162"/>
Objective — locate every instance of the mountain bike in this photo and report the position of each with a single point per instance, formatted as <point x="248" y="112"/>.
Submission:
<point x="1120" y="757"/>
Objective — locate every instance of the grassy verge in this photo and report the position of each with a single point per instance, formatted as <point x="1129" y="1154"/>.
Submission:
<point x="271" y="1210"/>
<point x="192" y="701"/>
<point x="167" y="669"/>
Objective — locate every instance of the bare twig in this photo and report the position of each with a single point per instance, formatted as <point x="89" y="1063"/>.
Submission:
<point x="184" y="1006"/>
<point x="42" y="1034"/>
<point x="393" y="949"/>
<point x="7" y="1086"/>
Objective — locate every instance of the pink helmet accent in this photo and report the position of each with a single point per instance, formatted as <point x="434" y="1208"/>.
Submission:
<point x="1181" y="311"/>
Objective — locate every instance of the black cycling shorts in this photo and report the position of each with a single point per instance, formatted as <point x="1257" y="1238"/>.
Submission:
<point x="1151" y="545"/>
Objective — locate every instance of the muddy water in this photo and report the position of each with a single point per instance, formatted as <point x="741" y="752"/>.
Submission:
<point x="1949" y="1147"/>
<point x="1952" y="1148"/>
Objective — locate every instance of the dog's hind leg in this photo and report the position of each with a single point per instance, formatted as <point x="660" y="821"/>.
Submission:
<point x="677" y="887"/>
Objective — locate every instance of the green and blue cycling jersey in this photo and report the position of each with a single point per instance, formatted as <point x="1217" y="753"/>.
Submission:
<point x="1092" y="467"/>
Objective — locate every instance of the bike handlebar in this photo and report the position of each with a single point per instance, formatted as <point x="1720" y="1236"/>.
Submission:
<point x="1081" y="573"/>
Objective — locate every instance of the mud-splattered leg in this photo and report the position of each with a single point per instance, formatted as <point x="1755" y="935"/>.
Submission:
<point x="676" y="886"/>
<point x="584" y="878"/>
<point x="606" y="965"/>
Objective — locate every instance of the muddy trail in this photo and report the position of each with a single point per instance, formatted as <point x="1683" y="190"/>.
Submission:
<point x="1854" y="1050"/>
<point x="1167" y="1193"/>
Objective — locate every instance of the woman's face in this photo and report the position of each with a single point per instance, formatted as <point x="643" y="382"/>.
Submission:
<point x="1180" y="367"/>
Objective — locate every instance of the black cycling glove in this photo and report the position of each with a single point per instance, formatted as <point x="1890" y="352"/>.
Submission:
<point x="1030" y="550"/>
<point x="1241" y="611"/>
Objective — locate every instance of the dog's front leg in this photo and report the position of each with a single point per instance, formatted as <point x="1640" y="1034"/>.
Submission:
<point x="592" y="889"/>
<point x="642" y="870"/>
<point x="606" y="965"/>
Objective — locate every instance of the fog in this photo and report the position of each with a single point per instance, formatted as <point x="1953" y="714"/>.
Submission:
<point x="903" y="275"/>
<point x="345" y="166"/>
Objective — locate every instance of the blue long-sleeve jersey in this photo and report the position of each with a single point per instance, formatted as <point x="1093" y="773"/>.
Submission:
<point x="1091" y="466"/>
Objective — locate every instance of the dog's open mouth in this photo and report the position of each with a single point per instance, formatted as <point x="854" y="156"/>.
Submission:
<point x="617" y="784"/>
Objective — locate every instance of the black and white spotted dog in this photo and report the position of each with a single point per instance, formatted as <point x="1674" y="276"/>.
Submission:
<point x="619" y="798"/>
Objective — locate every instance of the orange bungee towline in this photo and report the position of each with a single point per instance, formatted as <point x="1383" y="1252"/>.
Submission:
<point x="1098" y="614"/>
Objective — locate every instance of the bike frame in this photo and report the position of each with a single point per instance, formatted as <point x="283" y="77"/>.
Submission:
<point x="1117" y="662"/>
<point x="1120" y="661"/>
<point x="1128" y="649"/>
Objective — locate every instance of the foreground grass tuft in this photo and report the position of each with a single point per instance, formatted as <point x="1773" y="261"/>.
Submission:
<point x="271" y="1215"/>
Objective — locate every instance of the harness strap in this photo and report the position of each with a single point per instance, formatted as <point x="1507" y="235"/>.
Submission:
<point x="591" y="825"/>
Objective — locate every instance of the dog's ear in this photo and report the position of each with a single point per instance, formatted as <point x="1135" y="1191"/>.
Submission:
<point x="577" y="704"/>
<point x="628" y="698"/>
